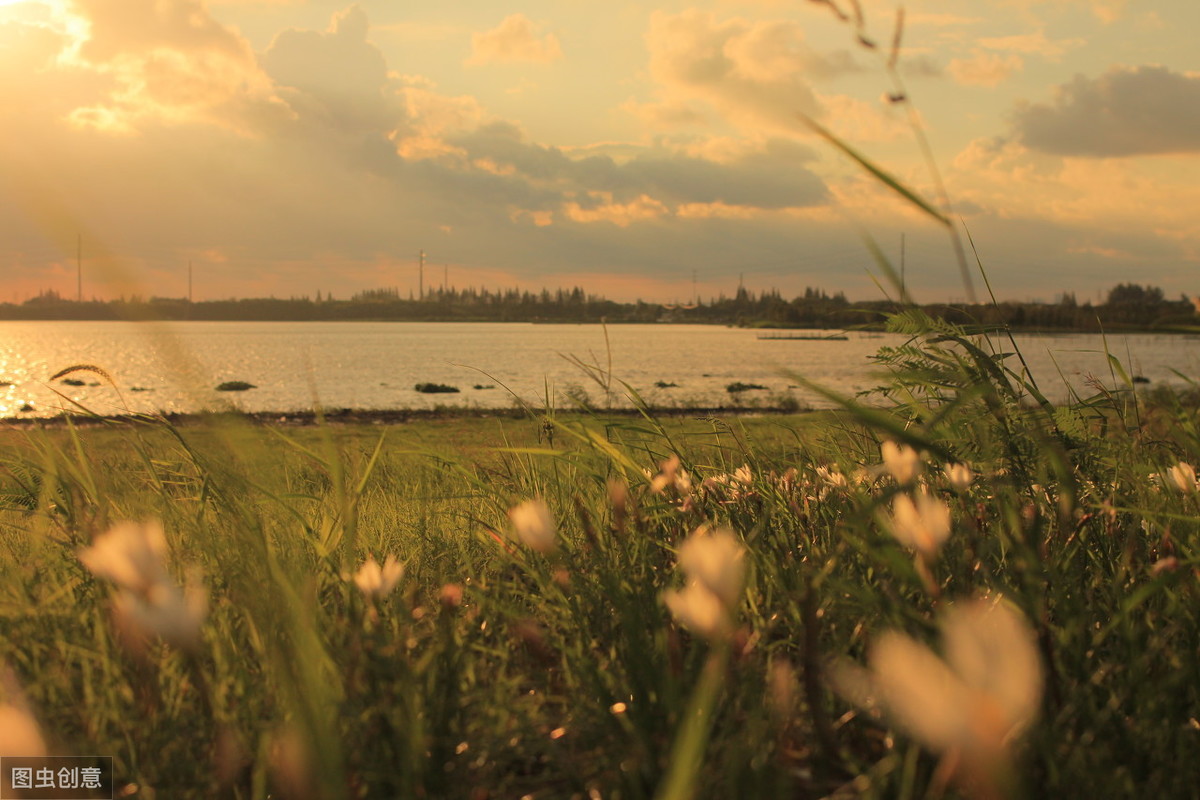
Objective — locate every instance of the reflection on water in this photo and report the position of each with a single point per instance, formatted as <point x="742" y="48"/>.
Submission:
<point x="176" y="367"/>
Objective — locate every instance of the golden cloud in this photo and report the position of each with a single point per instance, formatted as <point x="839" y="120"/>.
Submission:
<point x="984" y="69"/>
<point x="641" y="209"/>
<point x="516" y="39"/>
<point x="1032" y="44"/>
<point x="168" y="61"/>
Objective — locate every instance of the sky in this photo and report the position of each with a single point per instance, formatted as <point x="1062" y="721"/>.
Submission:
<point x="289" y="147"/>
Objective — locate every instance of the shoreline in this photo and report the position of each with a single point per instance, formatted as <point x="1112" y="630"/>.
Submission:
<point x="1169" y="329"/>
<point x="358" y="416"/>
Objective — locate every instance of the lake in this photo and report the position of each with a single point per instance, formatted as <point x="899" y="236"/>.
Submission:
<point x="375" y="365"/>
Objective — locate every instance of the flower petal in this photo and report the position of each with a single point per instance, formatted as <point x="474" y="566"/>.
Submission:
<point x="921" y="693"/>
<point x="989" y="644"/>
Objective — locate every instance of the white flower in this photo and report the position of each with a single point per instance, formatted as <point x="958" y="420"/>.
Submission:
<point x="166" y="611"/>
<point x="986" y="691"/>
<point x="832" y="479"/>
<point x="715" y="564"/>
<point x="1183" y="477"/>
<point x="700" y="611"/>
<point x="716" y="559"/>
<point x="901" y="461"/>
<point x="130" y="554"/>
<point x="375" y="581"/>
<point x="923" y="524"/>
<point x="670" y="475"/>
<point x="734" y="486"/>
<point x="133" y="556"/>
<point x="533" y="525"/>
<point x="959" y="476"/>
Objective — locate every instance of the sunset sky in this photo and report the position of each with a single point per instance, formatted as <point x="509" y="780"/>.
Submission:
<point x="289" y="147"/>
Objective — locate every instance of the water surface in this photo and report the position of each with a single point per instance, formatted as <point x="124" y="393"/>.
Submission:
<point x="375" y="365"/>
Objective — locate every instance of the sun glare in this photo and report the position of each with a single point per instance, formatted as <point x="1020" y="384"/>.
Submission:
<point x="42" y="13"/>
<point x="19" y="8"/>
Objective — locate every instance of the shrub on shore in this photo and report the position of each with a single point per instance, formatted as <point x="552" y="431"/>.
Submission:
<point x="435" y="388"/>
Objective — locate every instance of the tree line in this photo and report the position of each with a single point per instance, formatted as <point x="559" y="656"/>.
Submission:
<point x="1127" y="306"/>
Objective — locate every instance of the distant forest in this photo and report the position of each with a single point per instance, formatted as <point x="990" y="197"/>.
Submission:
<point x="1127" y="306"/>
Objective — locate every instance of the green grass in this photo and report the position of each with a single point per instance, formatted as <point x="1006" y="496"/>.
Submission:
<point x="494" y="671"/>
<point x="563" y="674"/>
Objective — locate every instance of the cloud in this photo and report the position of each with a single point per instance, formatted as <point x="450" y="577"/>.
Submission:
<point x="434" y="118"/>
<point x="984" y="69"/>
<point x="1032" y="44"/>
<point x="774" y="176"/>
<point x="1107" y="11"/>
<point x="1147" y="206"/>
<point x="921" y="66"/>
<point x="345" y="101"/>
<point x="361" y="167"/>
<point x="1124" y="112"/>
<point x="31" y="49"/>
<point x="336" y="62"/>
<point x="133" y="27"/>
<point x="338" y="169"/>
<point x="665" y="114"/>
<point x="753" y="73"/>
<point x="516" y="39"/>
<point x="940" y="20"/>
<point x="167" y="61"/>
<point x="641" y="209"/>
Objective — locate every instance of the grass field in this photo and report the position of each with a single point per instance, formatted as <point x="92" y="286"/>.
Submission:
<point x="966" y="591"/>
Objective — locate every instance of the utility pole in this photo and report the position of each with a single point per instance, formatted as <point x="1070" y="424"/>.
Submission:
<point x="693" y="287"/>
<point x="189" y="280"/>
<point x="79" y="267"/>
<point x="421" y="277"/>
<point x="445" y="278"/>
